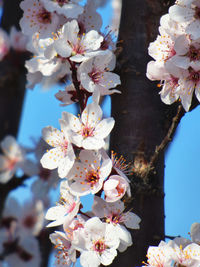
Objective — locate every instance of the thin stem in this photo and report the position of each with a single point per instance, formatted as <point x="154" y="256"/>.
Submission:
<point x="168" y="137"/>
<point x="77" y="85"/>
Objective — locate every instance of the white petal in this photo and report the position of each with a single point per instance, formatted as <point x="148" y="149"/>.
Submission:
<point x="104" y="128"/>
<point x="91" y="114"/>
<point x="180" y="14"/>
<point x="50" y="160"/>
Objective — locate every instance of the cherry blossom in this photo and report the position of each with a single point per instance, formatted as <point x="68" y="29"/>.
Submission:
<point x="94" y="73"/>
<point x="187" y="52"/>
<point x="27" y="253"/>
<point x="87" y="175"/>
<point x="100" y="244"/>
<point x="187" y="13"/>
<point x="61" y="156"/>
<point x="90" y="19"/>
<point x="21" y="250"/>
<point x="65" y="210"/>
<point x="89" y="130"/>
<point x="68" y="96"/>
<point x="115" y="188"/>
<point x="162" y="48"/>
<point x="113" y="213"/>
<point x="78" y="47"/>
<point x="29" y="216"/>
<point x="189" y="81"/>
<point x="68" y="8"/>
<point x="14" y="158"/>
<point x="188" y="255"/>
<point x="66" y="253"/>
<point x="160" y="256"/>
<point x="37" y="19"/>
<point x="18" y="40"/>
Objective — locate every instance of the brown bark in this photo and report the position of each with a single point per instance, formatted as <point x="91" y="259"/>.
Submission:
<point x="12" y="76"/>
<point x="12" y="86"/>
<point x="142" y="122"/>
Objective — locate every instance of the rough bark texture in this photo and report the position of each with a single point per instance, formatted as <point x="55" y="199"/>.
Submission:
<point x="142" y="121"/>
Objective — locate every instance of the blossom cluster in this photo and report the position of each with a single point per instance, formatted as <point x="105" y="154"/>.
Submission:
<point x="177" y="252"/>
<point x="68" y="46"/>
<point x="176" y="54"/>
<point x="19" y="228"/>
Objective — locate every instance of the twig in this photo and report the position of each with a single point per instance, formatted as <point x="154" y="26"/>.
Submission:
<point x="77" y="85"/>
<point x="168" y="137"/>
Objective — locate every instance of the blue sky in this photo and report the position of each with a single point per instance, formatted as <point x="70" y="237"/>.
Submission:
<point x="182" y="171"/>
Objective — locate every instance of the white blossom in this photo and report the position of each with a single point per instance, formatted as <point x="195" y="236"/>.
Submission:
<point x="88" y="175"/>
<point x="94" y="73"/>
<point x="61" y="156"/>
<point x="89" y="130"/>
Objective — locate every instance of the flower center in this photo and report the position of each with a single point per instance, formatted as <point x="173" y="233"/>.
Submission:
<point x="95" y="75"/>
<point x="120" y="190"/>
<point x="114" y="219"/>
<point x="92" y="177"/>
<point x="64" y="146"/>
<point x="87" y="131"/>
<point x="44" y="16"/>
<point x="99" y="246"/>
<point x="78" y="48"/>
<point x="193" y="54"/>
<point x="194" y="76"/>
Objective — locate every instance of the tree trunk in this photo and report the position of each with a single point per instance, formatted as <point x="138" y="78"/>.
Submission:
<point x="142" y="122"/>
<point x="12" y="76"/>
